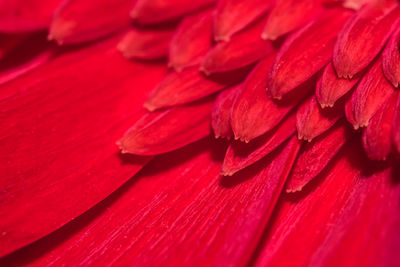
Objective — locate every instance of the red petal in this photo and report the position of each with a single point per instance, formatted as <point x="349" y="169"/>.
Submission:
<point x="315" y="156"/>
<point x="86" y="20"/>
<point x="221" y="114"/>
<point x="287" y="15"/>
<point x="330" y="87"/>
<point x="184" y="205"/>
<point x="391" y="59"/>
<point x="346" y="213"/>
<point x="241" y="155"/>
<point x="33" y="52"/>
<point x="253" y="112"/>
<point x="163" y="131"/>
<point x="187" y="86"/>
<point x="191" y="42"/>
<point x="229" y="17"/>
<point x="377" y="137"/>
<point x="362" y="38"/>
<point x="396" y="126"/>
<point x="372" y="91"/>
<point x="150" y="11"/>
<point x="303" y="53"/>
<point x="146" y="44"/>
<point x="57" y="142"/>
<point x="26" y="15"/>
<point x="312" y="120"/>
<point x="243" y="49"/>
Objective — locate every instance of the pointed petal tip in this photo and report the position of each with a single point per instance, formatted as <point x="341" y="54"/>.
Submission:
<point x="222" y="38"/>
<point x="149" y="106"/>
<point x="267" y="36"/>
<point x="292" y="190"/>
<point x="204" y="70"/>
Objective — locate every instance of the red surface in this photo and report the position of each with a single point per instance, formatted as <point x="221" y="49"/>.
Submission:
<point x="305" y="52"/>
<point x="59" y="125"/>
<point x="391" y="59"/>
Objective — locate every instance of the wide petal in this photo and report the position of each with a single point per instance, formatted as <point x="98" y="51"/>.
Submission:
<point x="166" y="130"/>
<point x="86" y="20"/>
<point x="391" y="59"/>
<point x="241" y="50"/>
<point x="305" y="52"/>
<point x="177" y="212"/>
<point x="330" y="88"/>
<point x="287" y="15"/>
<point x="191" y="41"/>
<point x="372" y="91"/>
<point x="363" y="36"/>
<point x="312" y="120"/>
<point x="315" y="156"/>
<point x="352" y="209"/>
<point x="26" y="15"/>
<point x="229" y="17"/>
<point x="59" y="125"/>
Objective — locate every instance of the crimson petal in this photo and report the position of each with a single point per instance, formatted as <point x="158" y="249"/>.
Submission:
<point x="58" y="133"/>
<point x="391" y="59"/>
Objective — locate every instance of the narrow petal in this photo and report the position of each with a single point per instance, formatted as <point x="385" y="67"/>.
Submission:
<point x="146" y="43"/>
<point x="86" y="20"/>
<point x="303" y="53"/>
<point x="189" y="85"/>
<point x="243" y="49"/>
<point x="26" y="15"/>
<point x="377" y="137"/>
<point x="391" y="59"/>
<point x="185" y="204"/>
<point x="312" y="120"/>
<point x="229" y="17"/>
<point x="150" y="11"/>
<point x="163" y="131"/>
<point x="315" y="156"/>
<point x="361" y="39"/>
<point x="59" y="125"/>
<point x="330" y="87"/>
<point x="288" y="15"/>
<point x="253" y="112"/>
<point x="348" y="212"/>
<point x="240" y="155"/>
<point x="396" y="126"/>
<point x="369" y="95"/>
<point x="191" y="41"/>
<point x="221" y="114"/>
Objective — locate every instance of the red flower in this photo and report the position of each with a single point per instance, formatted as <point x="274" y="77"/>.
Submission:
<point x="262" y="75"/>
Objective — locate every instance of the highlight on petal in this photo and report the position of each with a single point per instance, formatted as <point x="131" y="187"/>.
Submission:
<point x="185" y="203"/>
<point x="221" y="114"/>
<point x="146" y="43"/>
<point x="315" y="156"/>
<point x="229" y="16"/>
<point x="253" y="112"/>
<point x="30" y="52"/>
<point x="163" y="131"/>
<point x="363" y="36"/>
<point x="155" y="11"/>
<point x="288" y="15"/>
<point x="312" y="120"/>
<point x="330" y="87"/>
<point x="391" y="59"/>
<point x="240" y="155"/>
<point x="17" y="16"/>
<point x="346" y="211"/>
<point x="242" y="49"/>
<point x="396" y="126"/>
<point x="86" y="20"/>
<point x="70" y="123"/>
<point x="305" y="52"/>
<point x="377" y="136"/>
<point x="189" y="85"/>
<point x="369" y="95"/>
<point x="191" y="41"/>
